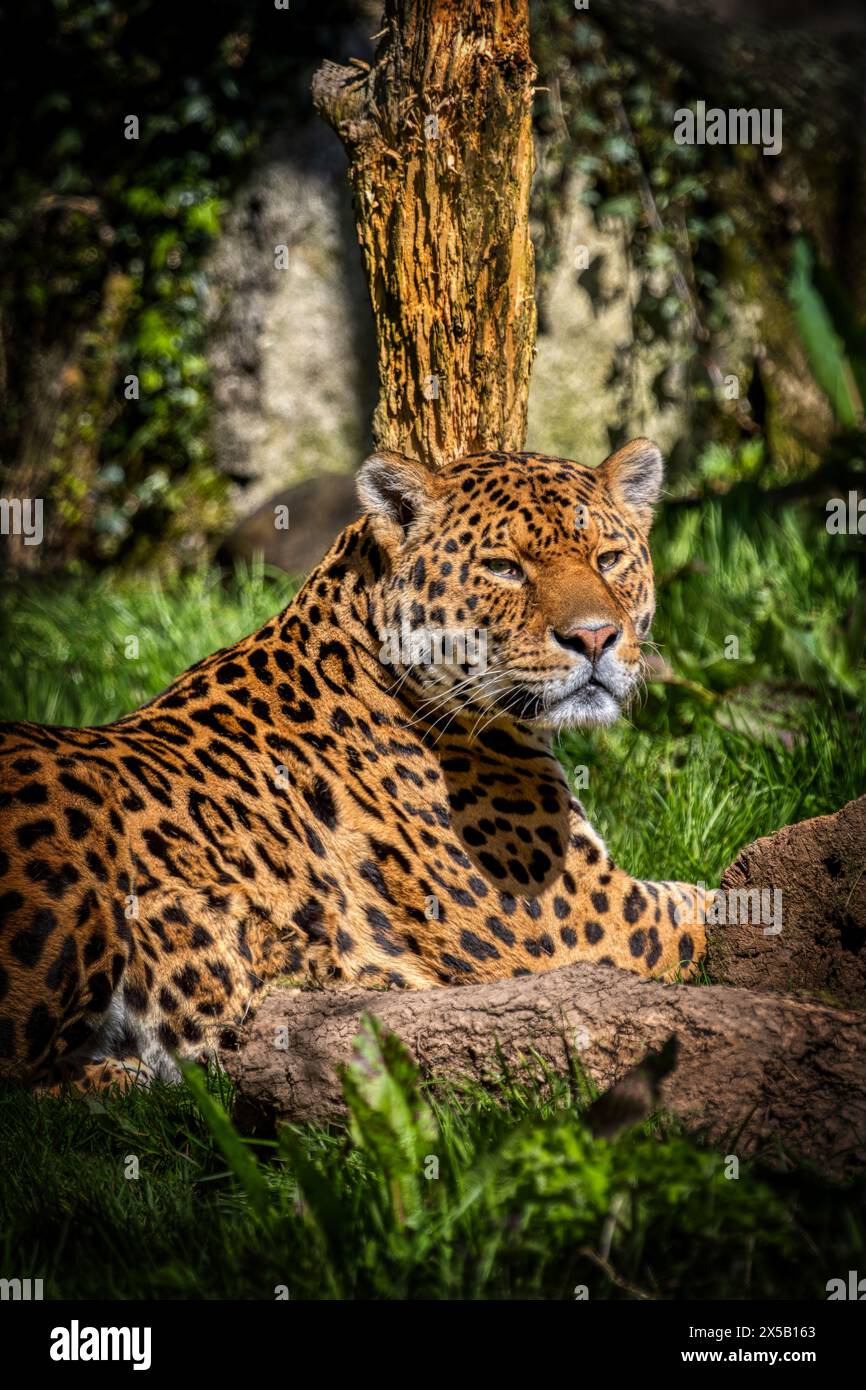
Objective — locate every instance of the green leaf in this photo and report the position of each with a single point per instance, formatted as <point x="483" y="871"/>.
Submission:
<point x="823" y="346"/>
<point x="241" y="1162"/>
<point x="625" y="206"/>
<point x="389" y="1117"/>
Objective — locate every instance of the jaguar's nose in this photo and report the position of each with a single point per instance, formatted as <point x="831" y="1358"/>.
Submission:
<point x="589" y="641"/>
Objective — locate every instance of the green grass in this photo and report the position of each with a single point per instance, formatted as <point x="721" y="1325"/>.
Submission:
<point x="66" y="642"/>
<point x="527" y="1202"/>
<point x="688" y="805"/>
<point x="503" y="1195"/>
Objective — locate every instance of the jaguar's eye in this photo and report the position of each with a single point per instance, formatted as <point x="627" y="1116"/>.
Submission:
<point x="608" y="559"/>
<point x="505" y="569"/>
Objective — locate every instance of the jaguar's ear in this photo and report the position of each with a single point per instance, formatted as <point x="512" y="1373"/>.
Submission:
<point x="394" y="490"/>
<point x="633" y="476"/>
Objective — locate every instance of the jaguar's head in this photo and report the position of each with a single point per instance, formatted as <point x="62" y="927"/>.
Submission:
<point x="515" y="583"/>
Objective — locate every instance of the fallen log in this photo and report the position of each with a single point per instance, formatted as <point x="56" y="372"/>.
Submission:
<point x="760" y="1073"/>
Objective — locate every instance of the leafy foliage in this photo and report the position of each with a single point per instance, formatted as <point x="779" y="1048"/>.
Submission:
<point x="714" y="236"/>
<point x="607" y="119"/>
<point x="207" y="85"/>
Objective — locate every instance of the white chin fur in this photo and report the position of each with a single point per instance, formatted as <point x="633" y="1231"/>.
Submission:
<point x="584" y="709"/>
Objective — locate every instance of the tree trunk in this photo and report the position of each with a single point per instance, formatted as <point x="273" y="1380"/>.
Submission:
<point x="754" y="1070"/>
<point x="439" y="139"/>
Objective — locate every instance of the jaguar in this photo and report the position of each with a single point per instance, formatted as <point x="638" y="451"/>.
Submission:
<point x="364" y="792"/>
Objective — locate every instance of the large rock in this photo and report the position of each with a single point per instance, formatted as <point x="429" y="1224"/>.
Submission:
<point x="317" y="510"/>
<point x="291" y="351"/>
<point x="820" y="867"/>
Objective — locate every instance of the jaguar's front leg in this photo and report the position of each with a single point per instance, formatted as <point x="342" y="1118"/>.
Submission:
<point x="651" y="928"/>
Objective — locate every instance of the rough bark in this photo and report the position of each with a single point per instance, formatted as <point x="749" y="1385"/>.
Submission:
<point x="820" y="867"/>
<point x="758" y="1072"/>
<point x="439" y="139"/>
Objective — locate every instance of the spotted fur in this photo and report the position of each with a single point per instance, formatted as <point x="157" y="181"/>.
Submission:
<point x="304" y="803"/>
